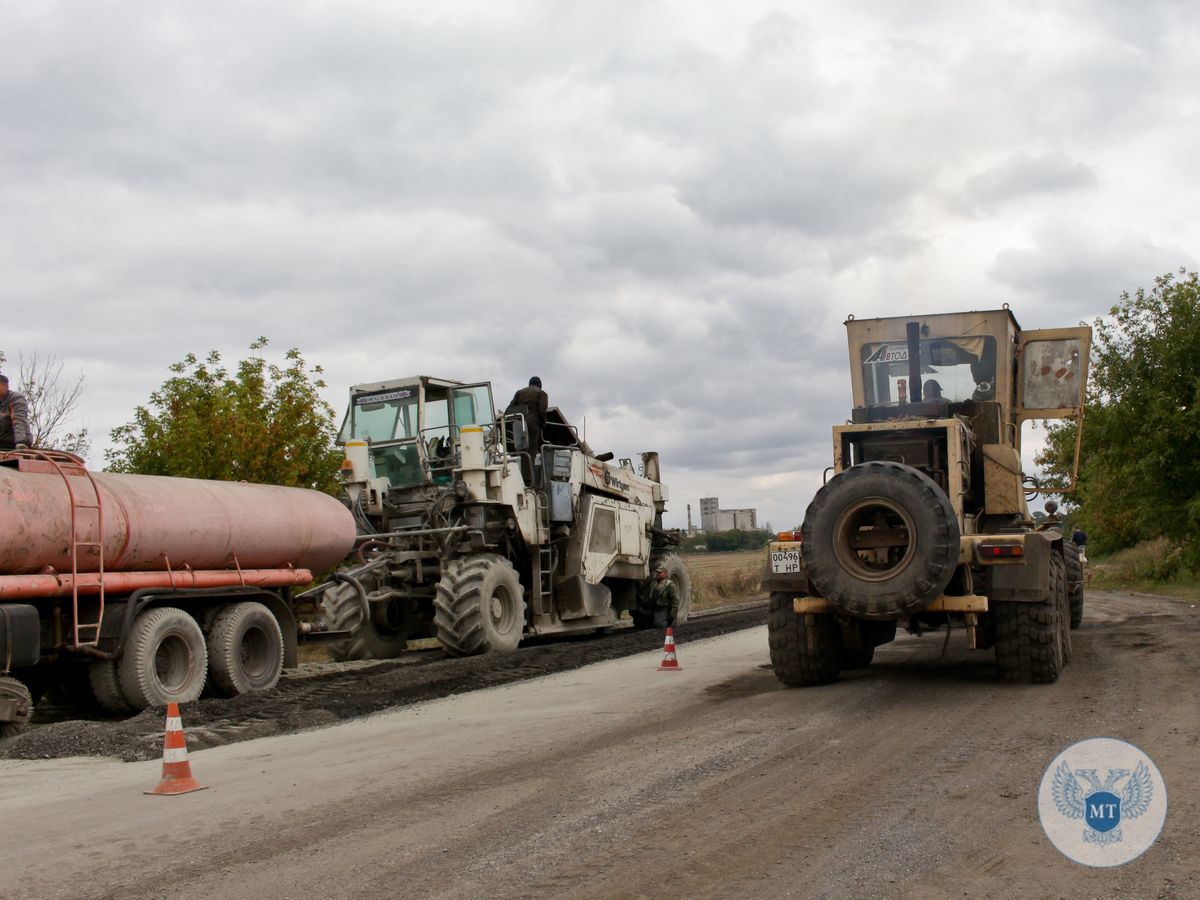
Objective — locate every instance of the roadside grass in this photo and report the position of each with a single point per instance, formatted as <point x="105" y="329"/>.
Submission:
<point x="722" y="578"/>
<point x="1152" y="567"/>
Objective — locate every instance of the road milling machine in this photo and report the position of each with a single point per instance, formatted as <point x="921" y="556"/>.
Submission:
<point x="925" y="521"/>
<point x="470" y="535"/>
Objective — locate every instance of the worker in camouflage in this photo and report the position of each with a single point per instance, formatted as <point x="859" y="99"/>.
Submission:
<point x="658" y="601"/>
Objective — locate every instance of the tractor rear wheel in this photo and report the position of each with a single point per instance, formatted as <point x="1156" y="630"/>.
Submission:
<point x="1029" y="638"/>
<point x="805" y="649"/>
<point x="381" y="635"/>
<point x="880" y="540"/>
<point x="165" y="660"/>
<point x="480" y="606"/>
<point x="13" y="689"/>
<point x="245" y="650"/>
<point x="1074" y="581"/>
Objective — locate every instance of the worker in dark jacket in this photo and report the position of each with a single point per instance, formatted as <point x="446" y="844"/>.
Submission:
<point x="532" y="402"/>
<point x="14" y="418"/>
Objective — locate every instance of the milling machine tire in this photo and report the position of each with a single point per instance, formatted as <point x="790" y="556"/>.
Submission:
<point x="245" y="650"/>
<point x="480" y="606"/>
<point x="869" y="502"/>
<point x="1029" y="639"/>
<point x="789" y="635"/>
<point x="1074" y="581"/>
<point x="106" y="687"/>
<point x="165" y="659"/>
<point x="12" y="688"/>
<point x="370" y="638"/>
<point x="678" y="573"/>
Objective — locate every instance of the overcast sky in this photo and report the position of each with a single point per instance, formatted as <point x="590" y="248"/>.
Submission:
<point x="665" y="210"/>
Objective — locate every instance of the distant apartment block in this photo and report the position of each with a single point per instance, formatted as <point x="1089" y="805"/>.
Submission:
<point x="713" y="518"/>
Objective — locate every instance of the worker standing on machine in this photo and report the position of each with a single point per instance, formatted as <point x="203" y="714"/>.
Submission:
<point x="14" y="418"/>
<point x="533" y="402"/>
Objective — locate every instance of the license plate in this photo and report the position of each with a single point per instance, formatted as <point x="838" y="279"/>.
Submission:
<point x="785" y="560"/>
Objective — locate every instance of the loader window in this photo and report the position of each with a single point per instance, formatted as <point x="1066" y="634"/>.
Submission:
<point x="959" y="368"/>
<point x="386" y="416"/>
<point x="473" y="406"/>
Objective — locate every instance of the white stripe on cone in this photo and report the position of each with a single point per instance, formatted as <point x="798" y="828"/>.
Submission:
<point x="175" y="755"/>
<point x="174" y="723"/>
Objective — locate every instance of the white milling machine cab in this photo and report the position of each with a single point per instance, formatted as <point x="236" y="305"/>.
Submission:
<point x="925" y="519"/>
<point x="469" y="535"/>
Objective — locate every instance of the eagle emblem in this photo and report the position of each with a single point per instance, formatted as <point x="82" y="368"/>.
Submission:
<point x="1099" y="804"/>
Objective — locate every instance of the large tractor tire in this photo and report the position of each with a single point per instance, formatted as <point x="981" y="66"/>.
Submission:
<point x="880" y="541"/>
<point x="13" y="689"/>
<point x="106" y="687"/>
<point x="245" y="650"/>
<point x="1062" y="598"/>
<point x="381" y="635"/>
<point x="1074" y="581"/>
<point x="805" y="650"/>
<point x="1029" y="636"/>
<point x="480" y="606"/>
<point x="165" y="660"/>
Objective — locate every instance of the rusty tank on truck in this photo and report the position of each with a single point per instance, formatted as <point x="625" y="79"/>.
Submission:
<point x="148" y="589"/>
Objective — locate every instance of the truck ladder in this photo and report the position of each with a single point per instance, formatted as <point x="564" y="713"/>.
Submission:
<point x="69" y="466"/>
<point x="543" y="575"/>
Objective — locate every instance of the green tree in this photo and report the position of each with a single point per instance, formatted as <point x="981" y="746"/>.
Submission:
<point x="1140" y="473"/>
<point x="263" y="423"/>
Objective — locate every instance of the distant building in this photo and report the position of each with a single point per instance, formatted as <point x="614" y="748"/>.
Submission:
<point x="713" y="518"/>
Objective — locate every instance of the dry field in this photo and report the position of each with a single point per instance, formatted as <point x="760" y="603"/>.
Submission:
<point x="722" y="578"/>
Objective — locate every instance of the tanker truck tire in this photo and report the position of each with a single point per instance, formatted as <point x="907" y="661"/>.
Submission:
<point x="678" y="573"/>
<point x="343" y="608"/>
<point x="1074" y="581"/>
<point x="165" y="660"/>
<point x="806" y="650"/>
<point x="11" y="688"/>
<point x="880" y="498"/>
<point x="245" y="650"/>
<point x="480" y="606"/>
<point x="106" y="687"/>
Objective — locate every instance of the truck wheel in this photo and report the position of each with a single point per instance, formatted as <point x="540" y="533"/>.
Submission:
<point x="1028" y="641"/>
<point x="383" y="636"/>
<point x="106" y="687"/>
<point x="1062" y="599"/>
<point x="880" y="540"/>
<point x="678" y="573"/>
<point x="245" y="650"/>
<point x="480" y="606"/>
<point x="165" y="660"/>
<point x="796" y="663"/>
<point x="1074" y="582"/>
<point x="12" y="689"/>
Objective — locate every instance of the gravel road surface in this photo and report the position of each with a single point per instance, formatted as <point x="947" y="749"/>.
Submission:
<point x="914" y="778"/>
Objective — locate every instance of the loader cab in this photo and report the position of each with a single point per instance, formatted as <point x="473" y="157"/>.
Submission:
<point x="948" y="393"/>
<point x="412" y="426"/>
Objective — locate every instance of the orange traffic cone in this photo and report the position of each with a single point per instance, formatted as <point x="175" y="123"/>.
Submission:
<point x="669" y="662"/>
<point x="177" y="771"/>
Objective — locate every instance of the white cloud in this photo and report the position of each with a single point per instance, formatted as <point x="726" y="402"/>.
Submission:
<point x="666" y="210"/>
